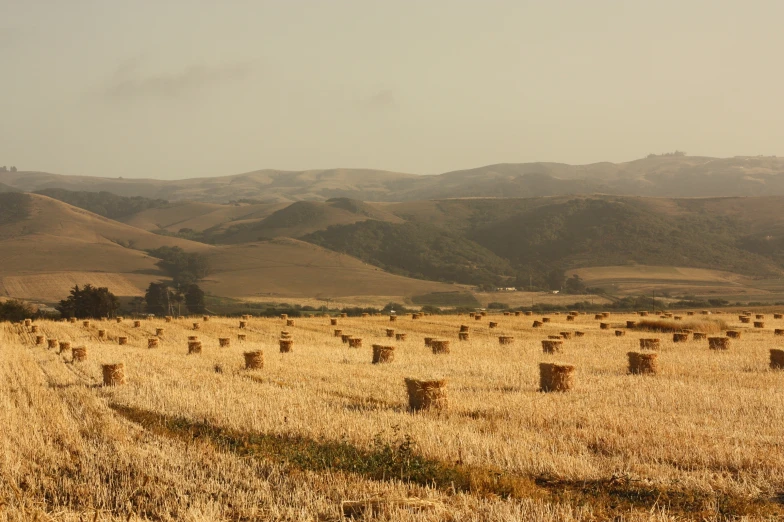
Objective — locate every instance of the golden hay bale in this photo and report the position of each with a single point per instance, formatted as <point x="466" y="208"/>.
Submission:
<point x="243" y="325"/>
<point x="122" y="341"/>
<point x="464" y="328"/>
<point x="113" y="374"/>
<point x="620" y="333"/>
<point x="415" y="316"/>
<point x="537" y="324"/>
<point x="79" y="354"/>
<point x="483" y="313"/>
<point x="64" y="346"/>
<point x="744" y="319"/>
<point x="678" y="318"/>
<point x="168" y="318"/>
<point x="159" y="332"/>
<point x="400" y="337"/>
<point x="478" y="317"/>
<point x="428" y="340"/>
<point x="34" y="329"/>
<point x="254" y="360"/>
<point x="39" y="339"/>
<point x="390" y="332"/>
<point x="392" y="318"/>
<point x="224" y="342"/>
<point x="285" y="316"/>
<point x="699" y="336"/>
<point x="439" y="346"/>
<point x="463" y="336"/>
<point x="52" y="343"/>
<point x="759" y="316"/>
<point x="689" y="313"/>
<point x="383" y="354"/>
<point x="196" y="326"/>
<point x="545" y="319"/>
<point x="518" y="313"/>
<point x="194" y="347"/>
<point x="472" y="314"/>
<point x="193" y="337"/>
<point x="333" y="322"/>
<point x="776" y="359"/>
<point x="345" y="337"/>
<point x="650" y="344"/>
<point x="778" y="316"/>
<point x="152" y="342"/>
<point x="642" y="313"/>
<point x="566" y="335"/>
<point x="28" y="322"/>
<point x="719" y="343"/>
<point x="72" y="320"/>
<point x="778" y="331"/>
<point x="759" y="324"/>
<point x="643" y="363"/>
<point x="423" y="395"/>
<point x="241" y="337"/>
<point x="680" y="337"/>
<point x="604" y="326"/>
<point x="529" y="313"/>
<point x="551" y="346"/>
<point x="555" y="377"/>
<point x="493" y="325"/>
<point x="205" y="318"/>
<point x="285" y="335"/>
<point x="579" y="334"/>
<point x="505" y="339"/>
<point x="733" y="334"/>
<point x="289" y="322"/>
<point x="355" y="342"/>
<point x="338" y="333"/>
<point x="570" y="318"/>
<point x="101" y="334"/>
<point x="507" y="313"/>
<point x="137" y="324"/>
<point x="557" y="337"/>
<point x="286" y="345"/>
<point x="86" y="324"/>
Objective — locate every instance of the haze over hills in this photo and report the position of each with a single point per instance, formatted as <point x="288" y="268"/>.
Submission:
<point x="660" y="176"/>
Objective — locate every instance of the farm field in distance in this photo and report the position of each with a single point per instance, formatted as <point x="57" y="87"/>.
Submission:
<point x="199" y="437"/>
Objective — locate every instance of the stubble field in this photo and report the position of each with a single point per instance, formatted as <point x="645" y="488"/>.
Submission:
<point x="199" y="437"/>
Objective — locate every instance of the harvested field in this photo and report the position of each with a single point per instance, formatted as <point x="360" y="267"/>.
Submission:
<point x="201" y="437"/>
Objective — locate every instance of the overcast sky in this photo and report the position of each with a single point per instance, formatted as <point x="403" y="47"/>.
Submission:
<point x="185" y="88"/>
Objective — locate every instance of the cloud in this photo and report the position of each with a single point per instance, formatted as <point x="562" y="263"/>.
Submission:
<point x="128" y="82"/>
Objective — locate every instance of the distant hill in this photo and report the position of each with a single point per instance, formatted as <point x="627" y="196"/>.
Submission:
<point x="655" y="176"/>
<point x="104" y="203"/>
<point x="7" y="188"/>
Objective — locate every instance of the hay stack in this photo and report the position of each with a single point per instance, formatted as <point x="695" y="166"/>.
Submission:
<point x="631" y="324"/>
<point x="168" y="319"/>
<point x="537" y="324"/>
<point x="680" y="337"/>
<point x="34" y="328"/>
<point x="733" y="334"/>
<point x="390" y="332"/>
<point x="285" y="334"/>
<point x="555" y="377"/>
<point x="224" y="342"/>
<point x="529" y="313"/>
<point x="79" y="354"/>
<point x="650" y="344"/>
<point x="744" y="319"/>
<point x="604" y="326"/>
<point x="355" y="342"/>
<point x="463" y="336"/>
<point x="338" y="333"/>
<point x="345" y="337"/>
<point x="243" y="325"/>
<point x="643" y="313"/>
<point x="699" y="336"/>
<point x="205" y="318"/>
<point x="392" y="318"/>
<point x="286" y="345"/>
<point x="254" y="360"/>
<point x="643" y="363"/>
<point x="579" y="334"/>
<point x="428" y="340"/>
<point x="620" y="333"/>
<point x="137" y="324"/>
<point x="289" y="322"/>
<point x="194" y="347"/>
<point x="557" y="337"/>
<point x="152" y="342"/>
<point x="551" y="346"/>
<point x="424" y="395"/>
<point x="122" y="341"/>
<point x="518" y="313"/>
<point x="719" y="343"/>
<point x="778" y="331"/>
<point x="566" y="335"/>
<point x="241" y="337"/>
<point x="113" y="374"/>
<point x="505" y="339"/>
<point x="118" y="319"/>
<point x="759" y="316"/>
<point x="776" y="359"/>
<point x="28" y="322"/>
<point x="570" y="318"/>
<point x="333" y="322"/>
<point x="52" y="344"/>
<point x="689" y="313"/>
<point x="545" y="319"/>
<point x="439" y="346"/>
<point x="285" y="316"/>
<point x="383" y="354"/>
<point x="778" y="316"/>
<point x="72" y="320"/>
<point x="464" y="328"/>
<point x="400" y="337"/>
<point x="344" y="315"/>
<point x="65" y="346"/>
<point x="86" y="324"/>
<point x="193" y="337"/>
<point x="39" y="340"/>
<point x="159" y="332"/>
<point x="759" y="324"/>
<point x="478" y="317"/>
<point x="493" y="325"/>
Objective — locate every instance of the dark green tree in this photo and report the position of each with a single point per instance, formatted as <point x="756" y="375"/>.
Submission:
<point x="158" y="299"/>
<point x="185" y="268"/>
<point x="15" y="311"/>
<point x="88" y="302"/>
<point x="574" y="285"/>
<point x="194" y="299"/>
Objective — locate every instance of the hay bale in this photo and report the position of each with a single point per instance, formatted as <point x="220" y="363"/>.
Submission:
<point x="424" y="395"/>
<point x="545" y="319"/>
<point x="344" y="315"/>
<point x="286" y="345"/>
<point x="34" y="328"/>
<point x="205" y="318"/>
<point x="529" y="313"/>
<point x="196" y="326"/>
<point x="778" y="316"/>
<point x="463" y="336"/>
<point x="194" y="347"/>
<point x="733" y="334"/>
<point x="28" y="322"/>
<point x="744" y="319"/>
<point x="604" y="326"/>
<point x="39" y="340"/>
<point x="439" y="346"/>
<point x="400" y="337"/>
<point x="570" y="318"/>
<point x="254" y="360"/>
<point x="113" y="374"/>
<point x="699" y="336"/>
<point x="428" y="340"/>
<point x="478" y="317"/>
<point x="392" y="318"/>
<point x="778" y="331"/>
<point x="243" y="325"/>
<point x="759" y="324"/>
<point x="776" y="359"/>
<point x="620" y="333"/>
<point x="118" y="319"/>
<point x="137" y="324"/>
<point x="168" y="318"/>
<point x="493" y="325"/>
<point x="566" y="335"/>
<point x="101" y="334"/>
<point x="537" y="324"/>
<point x="383" y="354"/>
<point x="65" y="346"/>
<point x="86" y="324"/>
<point x="505" y="339"/>
<point x="464" y="328"/>
<point x="689" y="313"/>
<point x="193" y="337"/>
<point x="719" y="343"/>
<point x="678" y="318"/>
<point x="518" y="313"/>
<point x="333" y="322"/>
<point x="72" y="320"/>
<point x="650" y="344"/>
<point x="680" y="337"/>
<point x="241" y="337"/>
<point x="224" y="342"/>
<point x="79" y="354"/>
<point x="705" y="312"/>
<point x="122" y="341"/>
<point x="390" y="332"/>
<point x="52" y="344"/>
<point x="338" y="333"/>
<point x="555" y="377"/>
<point x="355" y="342"/>
<point x="285" y="335"/>
<point x="642" y="313"/>
<point x="643" y="363"/>
<point x="152" y="342"/>
<point x="551" y="346"/>
<point x="759" y="316"/>
<point x="289" y="322"/>
<point x="345" y="337"/>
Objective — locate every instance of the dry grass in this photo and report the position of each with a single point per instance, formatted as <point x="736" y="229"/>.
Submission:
<point x="322" y="425"/>
<point x="665" y="325"/>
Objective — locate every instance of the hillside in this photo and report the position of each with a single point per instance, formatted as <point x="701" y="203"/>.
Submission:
<point x="104" y="203"/>
<point x="671" y="176"/>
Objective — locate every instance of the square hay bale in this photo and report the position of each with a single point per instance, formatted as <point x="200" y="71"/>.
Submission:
<point x="545" y="319"/>
<point x="759" y="324"/>
<point x="52" y="343"/>
<point x="194" y="347"/>
<point x="505" y="339"/>
<point x="338" y="333"/>
<point x="537" y="324"/>
<point x="79" y="354"/>
<point x="286" y="345"/>
<point x="556" y="377"/>
<point x="719" y="343"/>
<point x="620" y="333"/>
<point x="776" y="359"/>
<point x="680" y="337"/>
<point x="570" y="318"/>
<point x="733" y="334"/>
<point x="650" y="344"/>
<point x="113" y="374"/>
<point x="355" y="342"/>
<point x="463" y="336"/>
<point x="551" y="346"/>
<point x="643" y="363"/>
<point x="400" y="337"/>
<point x="224" y="342"/>
<point x="579" y="334"/>
<point x="439" y="346"/>
<point x="243" y="325"/>
<point x="424" y="395"/>
<point x="254" y="360"/>
<point x="566" y="335"/>
<point x="631" y="324"/>
<point x="383" y="354"/>
<point x="493" y="325"/>
<point x="122" y="340"/>
<point x="152" y="342"/>
<point x="390" y="332"/>
<point x="699" y="336"/>
<point x="604" y="326"/>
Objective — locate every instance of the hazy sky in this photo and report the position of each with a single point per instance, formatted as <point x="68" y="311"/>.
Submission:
<point x="185" y="88"/>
